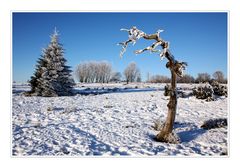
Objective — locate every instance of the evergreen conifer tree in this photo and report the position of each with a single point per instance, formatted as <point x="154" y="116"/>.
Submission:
<point x="52" y="77"/>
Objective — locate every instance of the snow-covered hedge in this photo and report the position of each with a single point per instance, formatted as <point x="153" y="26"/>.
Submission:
<point x="209" y="91"/>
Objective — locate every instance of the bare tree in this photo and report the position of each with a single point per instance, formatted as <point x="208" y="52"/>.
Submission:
<point x="90" y="72"/>
<point x="219" y="76"/>
<point x="176" y="69"/>
<point x="131" y="72"/>
<point x="186" y="79"/>
<point x="106" y="70"/>
<point x="80" y="72"/>
<point x="160" y="79"/>
<point x="203" y="77"/>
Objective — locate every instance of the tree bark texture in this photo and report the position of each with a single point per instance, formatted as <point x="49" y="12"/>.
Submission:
<point x="172" y="108"/>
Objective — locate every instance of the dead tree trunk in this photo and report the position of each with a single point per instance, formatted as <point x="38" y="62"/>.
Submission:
<point x="176" y="68"/>
<point x="165" y="134"/>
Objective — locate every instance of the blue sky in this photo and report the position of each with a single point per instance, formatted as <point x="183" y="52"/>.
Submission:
<point x="197" y="38"/>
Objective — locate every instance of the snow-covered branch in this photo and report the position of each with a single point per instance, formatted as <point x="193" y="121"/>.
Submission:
<point x="135" y="34"/>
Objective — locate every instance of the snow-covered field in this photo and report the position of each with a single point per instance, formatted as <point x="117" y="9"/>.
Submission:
<point x="113" y="120"/>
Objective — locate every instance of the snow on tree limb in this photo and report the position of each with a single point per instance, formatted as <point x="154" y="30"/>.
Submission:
<point x="135" y="34"/>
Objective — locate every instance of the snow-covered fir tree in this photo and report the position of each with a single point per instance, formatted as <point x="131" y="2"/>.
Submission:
<point x="52" y="77"/>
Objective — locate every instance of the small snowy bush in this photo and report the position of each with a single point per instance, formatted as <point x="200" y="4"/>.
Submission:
<point x="219" y="90"/>
<point x="208" y="91"/>
<point x="214" y="123"/>
<point x="204" y="92"/>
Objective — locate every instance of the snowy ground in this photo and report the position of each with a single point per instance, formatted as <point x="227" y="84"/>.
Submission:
<point x="113" y="120"/>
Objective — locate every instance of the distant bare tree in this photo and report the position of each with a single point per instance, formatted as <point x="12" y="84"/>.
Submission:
<point x="219" y="76"/>
<point x="203" y="77"/>
<point x="186" y="79"/>
<point x="90" y="72"/>
<point x="106" y="70"/>
<point x="131" y="72"/>
<point x="160" y="79"/>
<point x="80" y="72"/>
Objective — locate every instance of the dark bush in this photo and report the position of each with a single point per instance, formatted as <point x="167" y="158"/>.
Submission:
<point x="219" y="90"/>
<point x="214" y="123"/>
<point x="204" y="92"/>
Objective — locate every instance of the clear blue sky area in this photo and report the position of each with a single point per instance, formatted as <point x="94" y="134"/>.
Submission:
<point x="197" y="38"/>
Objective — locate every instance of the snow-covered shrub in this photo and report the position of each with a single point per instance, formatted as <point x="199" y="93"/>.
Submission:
<point x="204" y="92"/>
<point x="52" y="77"/>
<point x="207" y="91"/>
<point x="219" y="90"/>
<point x="214" y="123"/>
<point x="180" y="93"/>
<point x="184" y="94"/>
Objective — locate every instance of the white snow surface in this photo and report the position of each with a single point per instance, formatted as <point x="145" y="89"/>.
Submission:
<point x="113" y="120"/>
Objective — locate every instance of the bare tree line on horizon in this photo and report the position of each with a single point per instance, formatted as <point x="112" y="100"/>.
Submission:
<point x="102" y="72"/>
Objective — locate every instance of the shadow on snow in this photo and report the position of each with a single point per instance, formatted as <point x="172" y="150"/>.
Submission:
<point x="189" y="134"/>
<point x="97" y="91"/>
